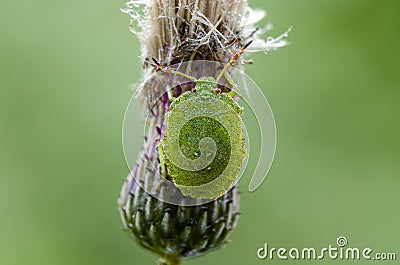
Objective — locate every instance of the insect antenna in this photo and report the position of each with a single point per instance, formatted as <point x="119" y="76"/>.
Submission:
<point x="171" y="71"/>
<point x="233" y="59"/>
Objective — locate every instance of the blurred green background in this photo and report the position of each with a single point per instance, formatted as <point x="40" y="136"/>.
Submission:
<point x="65" y="73"/>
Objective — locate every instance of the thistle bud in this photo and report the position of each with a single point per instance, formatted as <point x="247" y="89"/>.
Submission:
<point x="176" y="32"/>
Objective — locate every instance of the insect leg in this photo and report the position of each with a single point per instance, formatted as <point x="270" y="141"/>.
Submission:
<point x="171" y="71"/>
<point x="232" y="83"/>
<point x="233" y="59"/>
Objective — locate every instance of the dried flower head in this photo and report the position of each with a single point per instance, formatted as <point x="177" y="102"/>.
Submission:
<point x="185" y="30"/>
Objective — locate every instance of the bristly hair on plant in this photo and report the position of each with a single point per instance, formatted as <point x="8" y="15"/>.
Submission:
<point x="174" y="32"/>
<point x="184" y="30"/>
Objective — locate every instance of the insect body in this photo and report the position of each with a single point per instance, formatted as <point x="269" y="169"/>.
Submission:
<point x="203" y="147"/>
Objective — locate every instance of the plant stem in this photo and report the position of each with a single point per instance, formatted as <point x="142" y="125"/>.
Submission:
<point x="169" y="261"/>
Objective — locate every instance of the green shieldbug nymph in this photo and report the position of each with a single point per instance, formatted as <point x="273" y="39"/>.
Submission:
<point x="203" y="148"/>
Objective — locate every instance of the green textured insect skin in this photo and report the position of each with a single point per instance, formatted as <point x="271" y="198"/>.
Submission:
<point x="207" y="87"/>
<point x="214" y="115"/>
